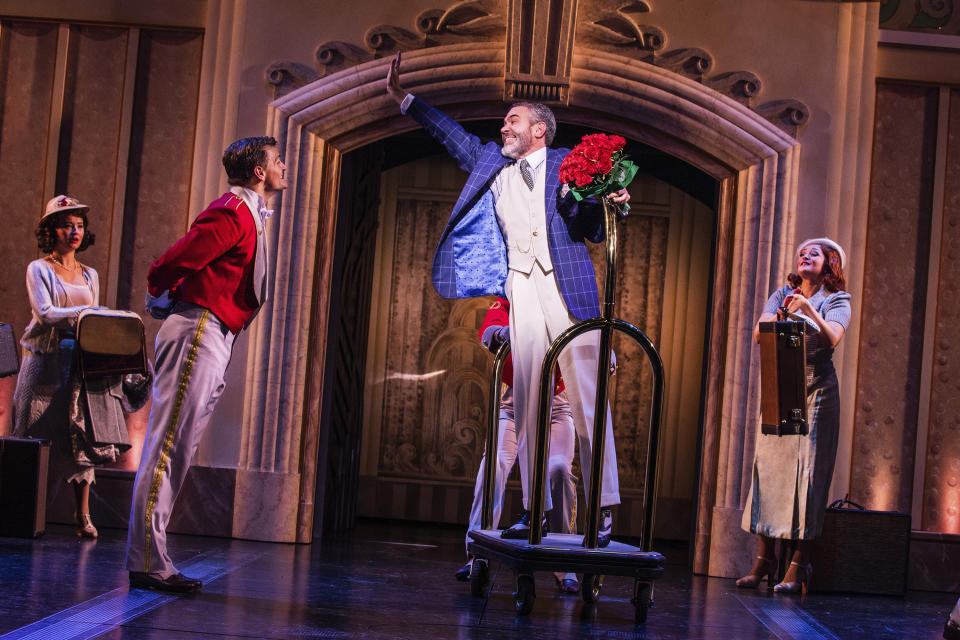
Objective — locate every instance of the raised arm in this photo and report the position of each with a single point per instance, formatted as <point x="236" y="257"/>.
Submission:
<point x="464" y="147"/>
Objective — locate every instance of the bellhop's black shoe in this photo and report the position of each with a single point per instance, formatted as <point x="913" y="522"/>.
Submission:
<point x="463" y="573"/>
<point x="606" y="528"/>
<point x="951" y="630"/>
<point x="521" y="530"/>
<point x="177" y="583"/>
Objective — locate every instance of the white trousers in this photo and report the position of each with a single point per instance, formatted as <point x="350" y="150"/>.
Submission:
<point x="537" y="316"/>
<point x="192" y="353"/>
<point x="562" y="482"/>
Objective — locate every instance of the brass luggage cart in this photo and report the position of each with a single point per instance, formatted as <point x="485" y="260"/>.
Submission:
<point x="570" y="552"/>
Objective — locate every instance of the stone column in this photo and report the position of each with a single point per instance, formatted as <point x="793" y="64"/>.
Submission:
<point x="269" y="493"/>
<point x="759" y="256"/>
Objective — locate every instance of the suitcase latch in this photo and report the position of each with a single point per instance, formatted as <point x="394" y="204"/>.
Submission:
<point x="794" y="342"/>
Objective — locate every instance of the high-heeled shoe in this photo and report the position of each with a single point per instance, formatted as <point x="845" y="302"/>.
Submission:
<point x="804" y="572"/>
<point x="85" y="528"/>
<point x="763" y="567"/>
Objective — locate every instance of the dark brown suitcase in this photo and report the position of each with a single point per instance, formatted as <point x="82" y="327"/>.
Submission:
<point x="23" y="486"/>
<point x="9" y="351"/>
<point x="862" y="551"/>
<point x="783" y="380"/>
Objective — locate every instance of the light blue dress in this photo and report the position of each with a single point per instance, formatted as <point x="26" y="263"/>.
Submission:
<point x="791" y="474"/>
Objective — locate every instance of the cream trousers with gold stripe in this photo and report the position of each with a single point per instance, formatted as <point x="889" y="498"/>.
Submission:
<point x="192" y="352"/>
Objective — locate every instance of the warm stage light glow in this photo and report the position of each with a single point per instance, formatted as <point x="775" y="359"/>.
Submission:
<point x="397" y="375"/>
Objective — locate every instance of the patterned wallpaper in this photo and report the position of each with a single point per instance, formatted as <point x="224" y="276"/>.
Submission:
<point x="435" y="395"/>
<point x="640" y="285"/>
<point x="894" y="292"/>
<point x="437" y="374"/>
<point x="941" y="496"/>
<point x="28" y="54"/>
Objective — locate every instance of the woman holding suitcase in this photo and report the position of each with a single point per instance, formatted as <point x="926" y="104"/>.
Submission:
<point x="792" y="473"/>
<point x="49" y="398"/>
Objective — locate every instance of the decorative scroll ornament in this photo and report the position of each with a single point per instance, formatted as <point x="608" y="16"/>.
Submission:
<point x="475" y="20"/>
<point x="337" y="54"/>
<point x="739" y="85"/>
<point x="467" y="18"/>
<point x="287" y="75"/>
<point x="692" y="62"/>
<point x="789" y="115"/>
<point x="610" y="23"/>
<point x="614" y="26"/>
<point x="386" y="40"/>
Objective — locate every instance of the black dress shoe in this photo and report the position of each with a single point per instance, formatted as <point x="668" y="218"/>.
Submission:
<point x="521" y="530"/>
<point x="951" y="630"/>
<point x="177" y="583"/>
<point x="463" y="573"/>
<point x="606" y="528"/>
<point x="567" y="585"/>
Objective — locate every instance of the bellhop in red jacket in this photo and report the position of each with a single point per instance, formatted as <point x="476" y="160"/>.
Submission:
<point x="213" y="264"/>
<point x="498" y="316"/>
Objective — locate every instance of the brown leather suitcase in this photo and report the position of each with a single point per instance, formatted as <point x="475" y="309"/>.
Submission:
<point x="23" y="486"/>
<point x="862" y="551"/>
<point x="9" y="351"/>
<point x="783" y="381"/>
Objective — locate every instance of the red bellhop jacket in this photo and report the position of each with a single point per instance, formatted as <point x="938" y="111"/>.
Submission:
<point x="212" y="265"/>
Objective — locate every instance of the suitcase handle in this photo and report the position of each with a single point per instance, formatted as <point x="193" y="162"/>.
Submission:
<point x="845" y="500"/>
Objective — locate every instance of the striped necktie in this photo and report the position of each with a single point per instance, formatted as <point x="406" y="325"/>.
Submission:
<point x="527" y="173"/>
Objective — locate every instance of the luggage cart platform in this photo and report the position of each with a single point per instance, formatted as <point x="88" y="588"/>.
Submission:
<point x="564" y="552"/>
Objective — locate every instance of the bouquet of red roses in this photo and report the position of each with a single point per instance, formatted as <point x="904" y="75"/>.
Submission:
<point x="597" y="166"/>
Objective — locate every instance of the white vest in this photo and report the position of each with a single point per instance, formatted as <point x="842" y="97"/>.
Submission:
<point x="523" y="220"/>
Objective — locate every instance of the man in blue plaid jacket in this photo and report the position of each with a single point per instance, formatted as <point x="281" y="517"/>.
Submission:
<point x="516" y="231"/>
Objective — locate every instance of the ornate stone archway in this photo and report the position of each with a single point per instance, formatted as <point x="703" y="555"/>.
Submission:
<point x="668" y="102"/>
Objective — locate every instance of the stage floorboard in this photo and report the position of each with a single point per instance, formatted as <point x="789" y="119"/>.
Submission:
<point x="395" y="580"/>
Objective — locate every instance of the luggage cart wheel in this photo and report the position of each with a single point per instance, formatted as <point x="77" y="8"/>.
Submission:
<point x="479" y="577"/>
<point x="525" y="594"/>
<point x="592" y="583"/>
<point x="642" y="599"/>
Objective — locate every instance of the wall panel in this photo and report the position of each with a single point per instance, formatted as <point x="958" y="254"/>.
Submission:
<point x="894" y="297"/>
<point x="28" y="55"/>
<point x="158" y="182"/>
<point x="156" y="204"/>
<point x="89" y="133"/>
<point x="941" y="495"/>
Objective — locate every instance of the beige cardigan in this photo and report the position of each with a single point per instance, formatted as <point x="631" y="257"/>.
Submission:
<point x="47" y="297"/>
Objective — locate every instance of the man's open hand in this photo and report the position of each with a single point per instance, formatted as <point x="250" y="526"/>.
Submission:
<point x="396" y="91"/>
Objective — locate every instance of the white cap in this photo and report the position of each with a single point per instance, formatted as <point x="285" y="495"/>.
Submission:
<point x="823" y="242"/>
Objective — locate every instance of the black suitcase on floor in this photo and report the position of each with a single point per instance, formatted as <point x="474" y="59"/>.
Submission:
<point x="9" y="351"/>
<point x="23" y="486"/>
<point x="862" y="551"/>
